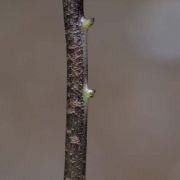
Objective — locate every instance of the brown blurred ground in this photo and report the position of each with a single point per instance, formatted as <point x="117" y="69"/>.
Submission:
<point x="134" y="61"/>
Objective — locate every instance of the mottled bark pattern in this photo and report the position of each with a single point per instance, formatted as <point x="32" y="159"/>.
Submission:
<point x="77" y="77"/>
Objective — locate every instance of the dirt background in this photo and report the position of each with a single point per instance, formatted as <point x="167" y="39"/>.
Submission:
<point x="134" y="64"/>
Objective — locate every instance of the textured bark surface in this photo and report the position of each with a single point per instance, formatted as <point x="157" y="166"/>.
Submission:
<point x="77" y="78"/>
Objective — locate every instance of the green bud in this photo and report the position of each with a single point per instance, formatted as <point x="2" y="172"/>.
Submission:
<point x="88" y="93"/>
<point x="87" y="23"/>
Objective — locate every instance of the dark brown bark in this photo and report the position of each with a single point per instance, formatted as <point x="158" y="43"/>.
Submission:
<point x="78" y="94"/>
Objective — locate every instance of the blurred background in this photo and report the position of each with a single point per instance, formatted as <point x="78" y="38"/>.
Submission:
<point x="134" y="64"/>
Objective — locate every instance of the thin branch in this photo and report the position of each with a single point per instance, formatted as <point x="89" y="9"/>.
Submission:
<point x="78" y="93"/>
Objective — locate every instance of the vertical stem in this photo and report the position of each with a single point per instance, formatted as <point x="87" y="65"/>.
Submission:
<point x="78" y="94"/>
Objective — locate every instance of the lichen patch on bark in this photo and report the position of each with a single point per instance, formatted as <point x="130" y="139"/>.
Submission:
<point x="74" y="140"/>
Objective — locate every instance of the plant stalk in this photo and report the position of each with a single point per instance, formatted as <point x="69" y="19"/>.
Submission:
<point x="78" y="93"/>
